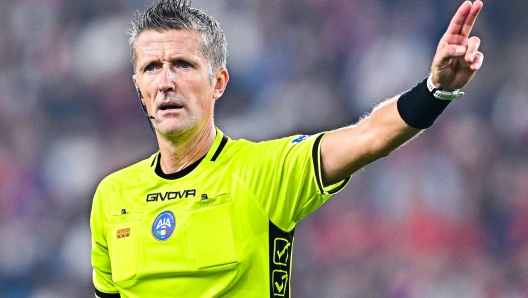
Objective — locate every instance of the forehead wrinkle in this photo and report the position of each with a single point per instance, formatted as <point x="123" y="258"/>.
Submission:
<point x="156" y="43"/>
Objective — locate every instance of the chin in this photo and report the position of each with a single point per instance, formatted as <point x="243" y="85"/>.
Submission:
<point x="173" y="129"/>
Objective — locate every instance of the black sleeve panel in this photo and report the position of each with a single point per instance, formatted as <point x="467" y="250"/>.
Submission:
<point x="100" y="294"/>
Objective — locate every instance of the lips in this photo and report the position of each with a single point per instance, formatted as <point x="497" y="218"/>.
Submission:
<point x="170" y="106"/>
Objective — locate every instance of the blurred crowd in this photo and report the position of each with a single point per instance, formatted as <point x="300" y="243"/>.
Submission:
<point x="443" y="216"/>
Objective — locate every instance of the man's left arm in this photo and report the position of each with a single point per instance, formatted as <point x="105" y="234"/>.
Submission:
<point x="456" y="61"/>
<point x="102" y="269"/>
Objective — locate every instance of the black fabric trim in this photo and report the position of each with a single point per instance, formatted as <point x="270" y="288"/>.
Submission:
<point x="106" y="295"/>
<point x="337" y="189"/>
<point x="154" y="160"/>
<point x="220" y="148"/>
<point x="176" y="175"/>
<point x="280" y="255"/>
<point x="315" y="157"/>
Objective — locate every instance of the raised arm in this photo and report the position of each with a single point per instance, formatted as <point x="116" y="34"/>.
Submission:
<point x="391" y="124"/>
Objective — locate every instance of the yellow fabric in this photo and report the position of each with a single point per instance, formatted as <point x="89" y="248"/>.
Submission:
<point x="220" y="245"/>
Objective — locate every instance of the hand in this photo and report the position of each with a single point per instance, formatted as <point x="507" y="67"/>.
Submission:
<point x="457" y="57"/>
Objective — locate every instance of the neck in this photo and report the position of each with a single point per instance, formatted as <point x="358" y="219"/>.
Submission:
<point x="176" y="156"/>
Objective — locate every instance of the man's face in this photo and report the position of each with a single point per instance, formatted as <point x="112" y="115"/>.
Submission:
<point x="175" y="83"/>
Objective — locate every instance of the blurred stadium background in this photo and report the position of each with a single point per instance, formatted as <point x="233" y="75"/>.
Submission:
<point x="445" y="216"/>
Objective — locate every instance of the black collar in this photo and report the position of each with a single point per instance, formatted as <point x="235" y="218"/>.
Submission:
<point x="177" y="175"/>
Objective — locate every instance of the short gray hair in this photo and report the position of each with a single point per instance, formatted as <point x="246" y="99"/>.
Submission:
<point x="179" y="15"/>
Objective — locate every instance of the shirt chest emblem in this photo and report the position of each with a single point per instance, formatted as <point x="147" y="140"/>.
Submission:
<point x="163" y="225"/>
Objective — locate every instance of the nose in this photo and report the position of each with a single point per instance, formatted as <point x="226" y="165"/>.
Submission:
<point x="166" y="82"/>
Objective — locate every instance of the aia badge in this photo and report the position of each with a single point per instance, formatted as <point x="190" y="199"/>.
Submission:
<point x="163" y="226"/>
<point x="299" y="139"/>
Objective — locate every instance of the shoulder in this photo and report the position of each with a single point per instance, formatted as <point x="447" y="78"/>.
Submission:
<point x="243" y="152"/>
<point x="235" y="146"/>
<point x="128" y="174"/>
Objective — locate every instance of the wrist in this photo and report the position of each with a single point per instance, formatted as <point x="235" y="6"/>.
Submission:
<point x="442" y="94"/>
<point x="419" y="108"/>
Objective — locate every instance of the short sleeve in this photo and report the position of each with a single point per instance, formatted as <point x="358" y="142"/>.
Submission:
<point x="285" y="177"/>
<point x="102" y="271"/>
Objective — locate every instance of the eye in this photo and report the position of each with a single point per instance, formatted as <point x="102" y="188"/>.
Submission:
<point x="150" y="67"/>
<point x="185" y="65"/>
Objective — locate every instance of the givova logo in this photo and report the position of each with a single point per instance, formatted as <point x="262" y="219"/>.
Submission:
<point x="163" y="226"/>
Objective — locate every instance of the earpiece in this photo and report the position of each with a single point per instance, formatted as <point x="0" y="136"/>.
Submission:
<point x="144" y="108"/>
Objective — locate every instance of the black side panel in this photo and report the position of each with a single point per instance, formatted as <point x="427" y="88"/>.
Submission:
<point x="280" y="255"/>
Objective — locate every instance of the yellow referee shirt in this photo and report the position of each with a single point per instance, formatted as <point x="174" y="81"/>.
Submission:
<point x="222" y="227"/>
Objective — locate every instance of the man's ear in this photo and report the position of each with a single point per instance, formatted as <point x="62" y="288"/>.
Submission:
<point x="140" y="96"/>
<point x="221" y="77"/>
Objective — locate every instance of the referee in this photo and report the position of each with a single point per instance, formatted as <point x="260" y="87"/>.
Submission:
<point x="207" y="216"/>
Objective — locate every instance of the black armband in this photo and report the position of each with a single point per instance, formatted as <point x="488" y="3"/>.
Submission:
<point x="419" y="108"/>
